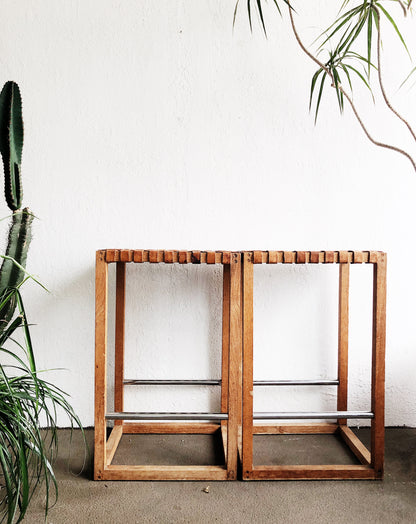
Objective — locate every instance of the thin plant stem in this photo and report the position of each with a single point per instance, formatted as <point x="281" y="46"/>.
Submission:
<point x="403" y="7"/>
<point x="381" y="82"/>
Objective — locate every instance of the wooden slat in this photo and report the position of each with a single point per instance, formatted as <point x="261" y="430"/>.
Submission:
<point x="257" y="257"/>
<point x="378" y="364"/>
<point x="343" y="317"/>
<point x="329" y="257"/>
<point x="218" y="257"/>
<point x="164" y="473"/>
<point x="373" y="257"/>
<point x="146" y="255"/>
<point x="119" y="339"/>
<point x="295" y="429"/>
<point x="355" y="445"/>
<point x="289" y="257"/>
<point x="314" y="257"/>
<point x="226" y="257"/>
<point x="343" y="257"/>
<point x="112" y="443"/>
<point x="234" y="366"/>
<point x="138" y="255"/>
<point x="182" y="257"/>
<point x="153" y="256"/>
<point x="358" y="257"/>
<point x="301" y="257"/>
<point x="170" y="428"/>
<point x="111" y="255"/>
<point x="247" y="428"/>
<point x="272" y="257"/>
<point x="210" y="257"/>
<point x="196" y="257"/>
<point x="168" y="258"/>
<point x="126" y="255"/>
<point x="101" y="294"/>
<point x="331" y="472"/>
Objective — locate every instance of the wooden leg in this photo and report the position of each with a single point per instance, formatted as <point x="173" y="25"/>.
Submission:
<point x="234" y="375"/>
<point x="225" y="339"/>
<point x="344" y="281"/>
<point x="101" y="293"/>
<point x="119" y="340"/>
<point x="378" y="365"/>
<point x="247" y="365"/>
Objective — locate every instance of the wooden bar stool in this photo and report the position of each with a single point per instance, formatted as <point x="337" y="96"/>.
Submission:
<point x="371" y="463"/>
<point x="226" y="422"/>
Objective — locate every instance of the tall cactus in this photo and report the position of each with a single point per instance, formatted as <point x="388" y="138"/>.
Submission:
<point x="11" y="142"/>
<point x="20" y="232"/>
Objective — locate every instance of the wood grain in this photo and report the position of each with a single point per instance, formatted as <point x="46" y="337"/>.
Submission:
<point x="343" y="324"/>
<point x="113" y="442"/>
<point x="247" y="428"/>
<point x="355" y="445"/>
<point x="327" y="472"/>
<point x="101" y="294"/>
<point x="295" y="429"/>
<point x="210" y="473"/>
<point x="378" y="364"/>
<point x="170" y="428"/>
<point x="234" y="369"/>
<point x="119" y="339"/>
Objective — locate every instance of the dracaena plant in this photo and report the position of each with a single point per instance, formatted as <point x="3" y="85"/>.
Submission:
<point x="353" y="48"/>
<point x="28" y="403"/>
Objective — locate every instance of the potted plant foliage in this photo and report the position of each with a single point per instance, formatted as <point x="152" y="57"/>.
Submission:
<point x="28" y="403"/>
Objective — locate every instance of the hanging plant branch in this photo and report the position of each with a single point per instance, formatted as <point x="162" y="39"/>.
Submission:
<point x="380" y="77"/>
<point x="341" y="93"/>
<point x="363" y="18"/>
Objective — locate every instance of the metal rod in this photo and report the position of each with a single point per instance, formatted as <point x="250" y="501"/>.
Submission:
<point x="312" y="415"/>
<point x="318" y="382"/>
<point x="155" y="382"/>
<point x="166" y="416"/>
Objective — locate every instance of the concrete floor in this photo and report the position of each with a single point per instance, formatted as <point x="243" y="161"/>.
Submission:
<point x="82" y="500"/>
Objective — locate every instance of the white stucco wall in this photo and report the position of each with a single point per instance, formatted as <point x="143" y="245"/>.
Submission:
<point x="152" y="124"/>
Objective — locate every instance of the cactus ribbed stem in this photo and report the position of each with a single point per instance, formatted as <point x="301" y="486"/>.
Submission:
<point x="11" y="143"/>
<point x="11" y="275"/>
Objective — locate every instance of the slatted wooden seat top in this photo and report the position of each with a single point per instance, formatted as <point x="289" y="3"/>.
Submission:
<point x="224" y="257"/>
<point x="167" y="256"/>
<point x="316" y="257"/>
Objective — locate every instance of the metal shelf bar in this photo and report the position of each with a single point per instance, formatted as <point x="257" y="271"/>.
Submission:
<point x="317" y="382"/>
<point x="313" y="415"/>
<point x="165" y="416"/>
<point x="156" y="382"/>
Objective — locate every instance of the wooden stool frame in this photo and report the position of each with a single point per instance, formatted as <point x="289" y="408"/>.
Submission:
<point x="230" y="379"/>
<point x="372" y="464"/>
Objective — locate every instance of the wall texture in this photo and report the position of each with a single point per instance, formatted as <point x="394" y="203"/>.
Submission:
<point x="154" y="124"/>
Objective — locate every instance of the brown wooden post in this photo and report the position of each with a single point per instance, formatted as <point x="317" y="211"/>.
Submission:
<point x="119" y="340"/>
<point x="378" y="365"/>
<point x="343" y="312"/>
<point x="247" y="364"/>
<point x="225" y="339"/>
<point x="101" y="295"/>
<point x="234" y="375"/>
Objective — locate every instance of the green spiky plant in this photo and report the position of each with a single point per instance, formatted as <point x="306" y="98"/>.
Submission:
<point x="28" y="404"/>
<point x="348" y="52"/>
